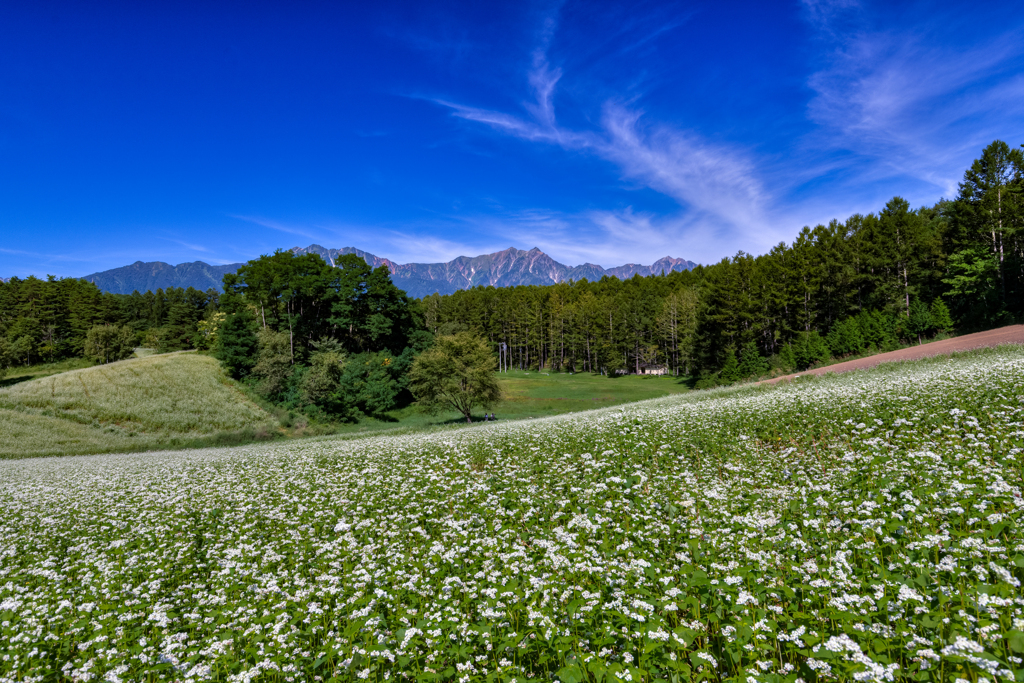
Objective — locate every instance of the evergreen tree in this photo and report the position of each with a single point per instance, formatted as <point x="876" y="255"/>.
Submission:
<point x="236" y="343"/>
<point x="988" y="218"/>
<point x="730" y="371"/>
<point x="7" y="358"/>
<point x="845" y="338"/>
<point x="973" y="287"/>
<point x="752" y="364"/>
<point x="920" y="321"/>
<point x="809" y="349"/>
<point x="940" y="318"/>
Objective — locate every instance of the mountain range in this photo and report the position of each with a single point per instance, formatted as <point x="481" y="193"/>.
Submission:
<point x="155" y="275"/>
<point x="506" y="268"/>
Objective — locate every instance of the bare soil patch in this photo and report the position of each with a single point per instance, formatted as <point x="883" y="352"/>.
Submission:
<point x="1012" y="334"/>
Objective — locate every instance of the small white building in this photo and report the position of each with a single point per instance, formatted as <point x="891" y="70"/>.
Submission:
<point x="653" y="369"/>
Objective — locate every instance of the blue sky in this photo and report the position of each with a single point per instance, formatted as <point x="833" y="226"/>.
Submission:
<point x="421" y="131"/>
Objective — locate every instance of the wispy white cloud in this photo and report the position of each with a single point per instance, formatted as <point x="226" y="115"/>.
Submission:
<point x="187" y="245"/>
<point x="885" y="104"/>
<point x="276" y="225"/>
<point x="718" y="188"/>
<point x="408" y="244"/>
<point x="543" y="80"/>
<point x="57" y="257"/>
<point x="912" y="103"/>
<point x="414" y="247"/>
<point x="830" y="16"/>
<point x="606" y="237"/>
<point x="712" y="179"/>
<point x="18" y="252"/>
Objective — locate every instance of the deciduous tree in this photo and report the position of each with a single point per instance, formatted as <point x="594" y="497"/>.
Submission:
<point x="457" y="373"/>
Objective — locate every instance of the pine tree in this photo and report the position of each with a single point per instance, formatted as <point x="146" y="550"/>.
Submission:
<point x="730" y="371"/>
<point x="920" y="321"/>
<point x="236" y="343"/>
<point x="809" y="349"/>
<point x="940" y="318"/>
<point x="988" y="214"/>
<point x="752" y="363"/>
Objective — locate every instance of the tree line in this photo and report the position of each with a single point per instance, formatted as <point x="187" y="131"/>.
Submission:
<point x="342" y="339"/>
<point x="59" y="318"/>
<point x="869" y="283"/>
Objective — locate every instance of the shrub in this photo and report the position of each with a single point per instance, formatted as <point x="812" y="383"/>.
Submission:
<point x="109" y="343"/>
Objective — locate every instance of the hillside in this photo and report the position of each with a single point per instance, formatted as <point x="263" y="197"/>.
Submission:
<point x="164" y="400"/>
<point x="506" y="268"/>
<point x="143" y="277"/>
<point x="866" y="524"/>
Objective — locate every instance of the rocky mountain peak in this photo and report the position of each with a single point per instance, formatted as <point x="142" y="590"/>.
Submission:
<point x="507" y="268"/>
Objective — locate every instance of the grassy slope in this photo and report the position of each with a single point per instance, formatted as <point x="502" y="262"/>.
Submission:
<point x="167" y="400"/>
<point x="25" y="373"/>
<point x="535" y="394"/>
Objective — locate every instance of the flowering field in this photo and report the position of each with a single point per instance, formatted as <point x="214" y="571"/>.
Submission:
<point x="862" y="527"/>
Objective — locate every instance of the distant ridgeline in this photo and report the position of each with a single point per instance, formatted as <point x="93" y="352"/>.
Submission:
<point x="149" y="277"/>
<point x="502" y="269"/>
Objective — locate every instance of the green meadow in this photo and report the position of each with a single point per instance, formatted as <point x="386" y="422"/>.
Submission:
<point x="531" y="395"/>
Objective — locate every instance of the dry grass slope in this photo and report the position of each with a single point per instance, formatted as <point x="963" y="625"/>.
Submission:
<point x="137" y="404"/>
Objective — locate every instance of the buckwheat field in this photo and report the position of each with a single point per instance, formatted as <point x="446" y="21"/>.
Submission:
<point x="862" y="527"/>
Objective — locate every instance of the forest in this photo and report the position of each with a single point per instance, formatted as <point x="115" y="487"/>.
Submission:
<point x="335" y="342"/>
<point x="49" y="320"/>
<point x="869" y="283"/>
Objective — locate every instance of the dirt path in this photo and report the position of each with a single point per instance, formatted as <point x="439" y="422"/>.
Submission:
<point x="1013" y="334"/>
